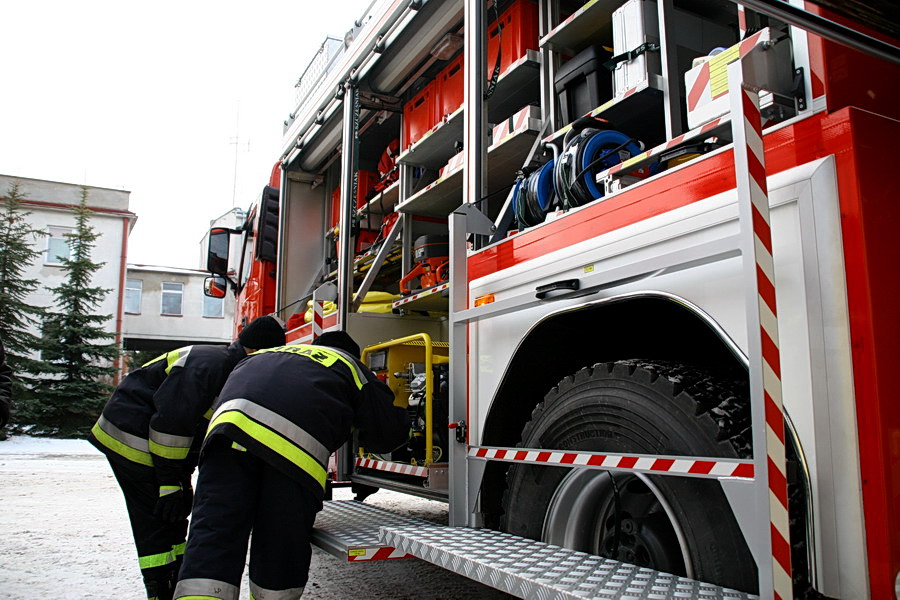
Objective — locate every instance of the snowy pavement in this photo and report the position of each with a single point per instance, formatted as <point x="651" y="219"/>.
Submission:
<point x="64" y="535"/>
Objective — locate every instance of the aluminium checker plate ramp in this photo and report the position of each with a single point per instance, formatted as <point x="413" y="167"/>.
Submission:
<point x="349" y="530"/>
<point x="535" y="570"/>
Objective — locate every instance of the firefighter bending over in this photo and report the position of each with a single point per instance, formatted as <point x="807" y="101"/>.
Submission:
<point x="279" y="417"/>
<point x="151" y="430"/>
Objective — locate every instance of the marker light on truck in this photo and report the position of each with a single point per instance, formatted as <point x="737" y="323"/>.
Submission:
<point x="482" y="300"/>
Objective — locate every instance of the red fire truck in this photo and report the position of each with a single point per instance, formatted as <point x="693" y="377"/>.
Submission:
<point x="637" y="289"/>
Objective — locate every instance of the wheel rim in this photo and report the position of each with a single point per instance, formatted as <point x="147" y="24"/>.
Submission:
<point x="583" y="515"/>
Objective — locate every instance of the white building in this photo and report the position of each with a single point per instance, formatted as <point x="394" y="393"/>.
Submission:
<point x="50" y="204"/>
<point x="165" y="308"/>
<point x="152" y="307"/>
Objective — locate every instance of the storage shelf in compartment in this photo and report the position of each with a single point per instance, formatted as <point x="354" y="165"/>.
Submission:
<point x="592" y="23"/>
<point x="434" y="299"/>
<point x="437" y="146"/>
<point x="384" y="202"/>
<point x="443" y="196"/>
<point x="518" y="86"/>
<point x="638" y="113"/>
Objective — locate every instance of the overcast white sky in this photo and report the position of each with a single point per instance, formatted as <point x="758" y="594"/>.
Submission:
<point x="150" y="97"/>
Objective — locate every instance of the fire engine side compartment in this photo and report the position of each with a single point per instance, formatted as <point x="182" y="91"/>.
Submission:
<point x="867" y="214"/>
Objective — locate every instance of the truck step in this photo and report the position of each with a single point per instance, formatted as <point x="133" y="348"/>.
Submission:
<point x="354" y="531"/>
<point x="536" y="570"/>
<point x="349" y="530"/>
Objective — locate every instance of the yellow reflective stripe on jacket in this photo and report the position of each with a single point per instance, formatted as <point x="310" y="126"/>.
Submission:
<point x="324" y="356"/>
<point x="273" y="441"/>
<point x="171" y="446"/>
<point x="279" y="424"/>
<point x="127" y="445"/>
<point x="178" y="549"/>
<point x="177" y="358"/>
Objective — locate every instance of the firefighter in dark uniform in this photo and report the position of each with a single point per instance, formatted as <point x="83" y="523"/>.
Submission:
<point x="151" y="430"/>
<point x="279" y="417"/>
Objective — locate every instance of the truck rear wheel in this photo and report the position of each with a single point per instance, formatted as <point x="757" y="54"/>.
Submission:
<point x="673" y="524"/>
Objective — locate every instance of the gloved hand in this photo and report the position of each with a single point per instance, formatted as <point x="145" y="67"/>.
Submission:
<point x="170" y="506"/>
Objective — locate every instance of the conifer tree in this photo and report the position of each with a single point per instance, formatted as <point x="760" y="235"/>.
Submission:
<point x="75" y="345"/>
<point x="18" y="241"/>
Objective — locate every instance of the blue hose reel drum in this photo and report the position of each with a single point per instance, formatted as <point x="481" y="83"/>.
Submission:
<point x="534" y="196"/>
<point x="606" y="141"/>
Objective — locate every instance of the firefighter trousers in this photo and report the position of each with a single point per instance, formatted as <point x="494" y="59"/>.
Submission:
<point x="159" y="544"/>
<point x="237" y="493"/>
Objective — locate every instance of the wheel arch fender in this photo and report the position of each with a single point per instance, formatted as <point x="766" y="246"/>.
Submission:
<point x="654" y="325"/>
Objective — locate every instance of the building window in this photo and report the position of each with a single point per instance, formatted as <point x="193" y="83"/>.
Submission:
<point x="213" y="307"/>
<point x="172" y="294"/>
<point x="57" y="245"/>
<point x="133" y="289"/>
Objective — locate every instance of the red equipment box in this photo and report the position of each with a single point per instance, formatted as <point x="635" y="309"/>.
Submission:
<point x="450" y="87"/>
<point x="419" y="115"/>
<point x="520" y="33"/>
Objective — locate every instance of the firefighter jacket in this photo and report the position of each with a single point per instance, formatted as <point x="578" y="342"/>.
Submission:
<point x="294" y="405"/>
<point x="158" y="415"/>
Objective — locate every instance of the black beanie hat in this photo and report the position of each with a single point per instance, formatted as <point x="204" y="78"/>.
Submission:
<point x="262" y="332"/>
<point x="340" y="340"/>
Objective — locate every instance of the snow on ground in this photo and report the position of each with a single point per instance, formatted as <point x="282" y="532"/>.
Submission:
<point x="64" y="535"/>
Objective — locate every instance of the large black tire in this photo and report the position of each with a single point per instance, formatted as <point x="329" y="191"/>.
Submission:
<point x="674" y="524"/>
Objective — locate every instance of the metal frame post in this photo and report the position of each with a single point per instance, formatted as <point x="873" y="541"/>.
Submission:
<point x="474" y="125"/>
<point x="767" y="412"/>
<point x="349" y="167"/>
<point x="547" y="19"/>
<point x="670" y="73"/>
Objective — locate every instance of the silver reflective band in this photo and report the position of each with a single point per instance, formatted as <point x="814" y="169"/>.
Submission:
<point x="174" y="441"/>
<point x="129" y="439"/>
<point x="279" y="424"/>
<point x="206" y="587"/>
<point x="258" y="593"/>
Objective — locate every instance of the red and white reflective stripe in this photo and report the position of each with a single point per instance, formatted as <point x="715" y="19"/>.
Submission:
<point x="318" y="318"/>
<point x="742" y="20"/>
<point x="455" y="163"/>
<point x="675" y="465"/>
<point x="511" y="125"/>
<point x="434" y="290"/>
<point x="752" y="190"/>
<point x="714" y="70"/>
<point x="390" y="467"/>
<point x="375" y="553"/>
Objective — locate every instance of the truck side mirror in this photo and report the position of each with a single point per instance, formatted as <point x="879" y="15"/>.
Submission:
<point x="217" y="253"/>
<point x="215" y="287"/>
